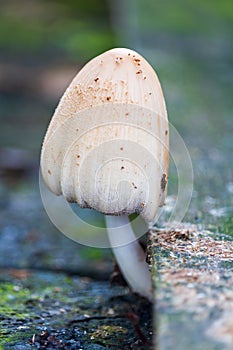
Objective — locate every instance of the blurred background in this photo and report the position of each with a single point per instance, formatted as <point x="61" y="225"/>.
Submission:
<point x="43" y="44"/>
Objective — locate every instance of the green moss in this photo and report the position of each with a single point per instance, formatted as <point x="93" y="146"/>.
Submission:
<point x="92" y="253"/>
<point x="12" y="298"/>
<point x="14" y="336"/>
<point x="22" y="304"/>
<point x="103" y="334"/>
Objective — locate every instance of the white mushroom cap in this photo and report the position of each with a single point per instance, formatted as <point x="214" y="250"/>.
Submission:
<point x="107" y="144"/>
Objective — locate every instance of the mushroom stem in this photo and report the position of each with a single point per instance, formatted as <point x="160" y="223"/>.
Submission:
<point x="130" y="256"/>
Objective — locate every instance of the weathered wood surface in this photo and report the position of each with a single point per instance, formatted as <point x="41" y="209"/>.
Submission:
<point x="193" y="278"/>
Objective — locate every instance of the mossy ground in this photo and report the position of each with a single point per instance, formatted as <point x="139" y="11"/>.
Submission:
<point x="39" y="308"/>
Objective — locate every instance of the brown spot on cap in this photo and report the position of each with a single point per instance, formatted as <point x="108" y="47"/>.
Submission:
<point x="118" y="59"/>
<point x="163" y="182"/>
<point x="139" y="71"/>
<point x="49" y="172"/>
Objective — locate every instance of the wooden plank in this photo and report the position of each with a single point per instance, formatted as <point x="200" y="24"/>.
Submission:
<point x="193" y="278"/>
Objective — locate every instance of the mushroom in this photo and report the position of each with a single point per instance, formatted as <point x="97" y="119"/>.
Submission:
<point x="106" y="148"/>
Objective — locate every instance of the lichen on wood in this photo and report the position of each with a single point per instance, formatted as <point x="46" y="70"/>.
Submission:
<point x="193" y="279"/>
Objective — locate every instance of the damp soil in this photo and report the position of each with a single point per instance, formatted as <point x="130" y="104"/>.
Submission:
<point x="47" y="310"/>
